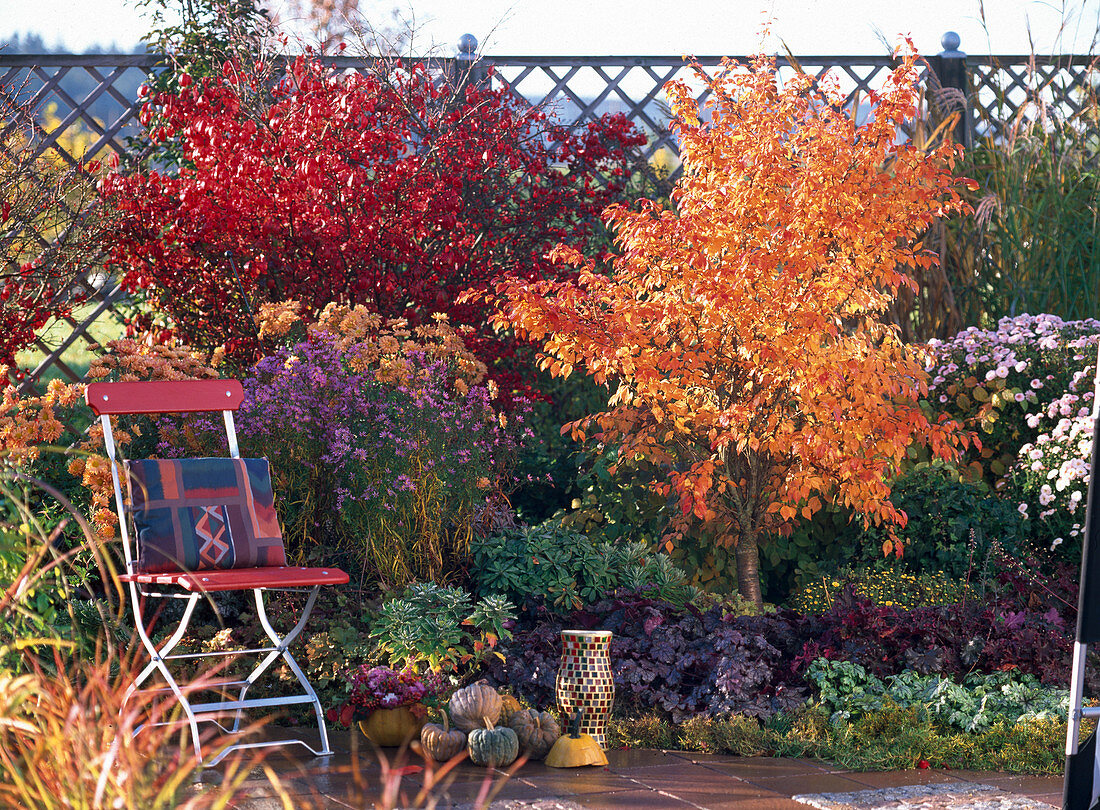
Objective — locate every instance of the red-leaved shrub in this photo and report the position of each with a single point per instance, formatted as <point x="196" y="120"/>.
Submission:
<point x="383" y="188"/>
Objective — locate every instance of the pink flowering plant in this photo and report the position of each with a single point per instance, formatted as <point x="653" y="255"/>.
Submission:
<point x="1051" y="478"/>
<point x="1027" y="388"/>
<point x="371" y="688"/>
<point x="1013" y="383"/>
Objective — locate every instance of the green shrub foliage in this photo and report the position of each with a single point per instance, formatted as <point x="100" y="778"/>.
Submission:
<point x="951" y="523"/>
<point x="564" y="569"/>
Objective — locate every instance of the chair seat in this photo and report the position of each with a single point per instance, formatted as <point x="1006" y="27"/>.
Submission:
<point x="239" y="579"/>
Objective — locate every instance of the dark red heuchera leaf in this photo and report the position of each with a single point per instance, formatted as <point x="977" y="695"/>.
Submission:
<point x="379" y="189"/>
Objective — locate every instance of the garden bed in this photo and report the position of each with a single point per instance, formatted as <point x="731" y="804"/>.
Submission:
<point x="510" y="398"/>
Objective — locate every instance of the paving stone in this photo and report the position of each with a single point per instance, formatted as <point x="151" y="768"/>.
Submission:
<point x="946" y="796"/>
<point x="760" y="804"/>
<point x="884" y="779"/>
<point x="731" y="797"/>
<point x="639" y="779"/>
<point x="680" y="772"/>
<point x="1012" y="781"/>
<point x="1027" y="785"/>
<point x="573" y="784"/>
<point x="765" y="766"/>
<point x="813" y="783"/>
<point x="641" y="757"/>
<point x="634" y="800"/>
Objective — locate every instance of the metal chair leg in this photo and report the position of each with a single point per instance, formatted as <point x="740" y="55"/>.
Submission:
<point x="156" y="663"/>
<point x="281" y="645"/>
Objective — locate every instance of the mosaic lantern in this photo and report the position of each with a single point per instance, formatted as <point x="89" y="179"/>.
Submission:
<point x="584" y="680"/>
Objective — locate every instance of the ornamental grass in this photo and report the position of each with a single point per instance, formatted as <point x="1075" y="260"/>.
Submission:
<point x="67" y="740"/>
<point x="67" y="734"/>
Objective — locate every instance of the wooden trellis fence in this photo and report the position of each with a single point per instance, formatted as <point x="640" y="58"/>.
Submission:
<point x="98" y="94"/>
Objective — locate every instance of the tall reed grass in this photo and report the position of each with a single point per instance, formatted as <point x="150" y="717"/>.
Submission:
<point x="67" y="741"/>
<point x="1033" y="242"/>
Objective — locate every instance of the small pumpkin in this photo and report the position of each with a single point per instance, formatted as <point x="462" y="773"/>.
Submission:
<point x="508" y="708"/>
<point x="493" y="746"/>
<point x="441" y="742"/>
<point x="575" y="749"/>
<point x="537" y="731"/>
<point x="470" y="705"/>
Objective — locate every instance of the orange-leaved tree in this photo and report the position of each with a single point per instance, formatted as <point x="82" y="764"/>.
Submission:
<point x="743" y="328"/>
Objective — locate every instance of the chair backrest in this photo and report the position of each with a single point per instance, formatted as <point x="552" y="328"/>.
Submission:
<point x="164" y="396"/>
<point x="158" y="396"/>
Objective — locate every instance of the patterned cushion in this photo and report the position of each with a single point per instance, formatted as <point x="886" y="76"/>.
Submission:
<point x="198" y="514"/>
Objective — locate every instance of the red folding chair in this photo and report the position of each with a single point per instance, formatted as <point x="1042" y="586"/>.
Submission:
<point x="215" y="524"/>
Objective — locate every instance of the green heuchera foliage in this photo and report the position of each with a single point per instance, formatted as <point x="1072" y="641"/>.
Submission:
<point x="847" y="691"/>
<point x="568" y="570"/>
<point x="441" y="628"/>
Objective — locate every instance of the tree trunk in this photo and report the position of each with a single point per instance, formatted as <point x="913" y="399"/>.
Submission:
<point x="748" y="567"/>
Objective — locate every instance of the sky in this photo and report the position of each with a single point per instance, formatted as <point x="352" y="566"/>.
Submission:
<point x="645" y="27"/>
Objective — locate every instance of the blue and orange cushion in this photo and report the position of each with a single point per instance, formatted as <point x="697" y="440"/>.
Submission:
<point x="203" y="514"/>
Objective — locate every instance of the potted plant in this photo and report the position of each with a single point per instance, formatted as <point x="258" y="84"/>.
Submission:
<point x="390" y="706"/>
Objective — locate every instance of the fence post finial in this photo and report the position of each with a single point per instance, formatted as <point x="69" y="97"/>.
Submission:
<point x="467" y="47"/>
<point x="469" y="67"/>
<point x="950" y="67"/>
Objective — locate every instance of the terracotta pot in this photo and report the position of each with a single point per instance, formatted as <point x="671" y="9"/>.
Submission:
<point x="389" y="728"/>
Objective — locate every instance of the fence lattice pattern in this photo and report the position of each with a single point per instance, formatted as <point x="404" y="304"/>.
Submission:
<point x="580" y="89"/>
<point x="98" y="94"/>
<point x="1006" y="87"/>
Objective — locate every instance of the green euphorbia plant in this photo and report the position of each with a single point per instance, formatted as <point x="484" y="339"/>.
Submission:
<point x="441" y="629"/>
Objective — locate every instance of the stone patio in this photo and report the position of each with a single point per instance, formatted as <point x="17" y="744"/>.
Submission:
<point x="637" y="779"/>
